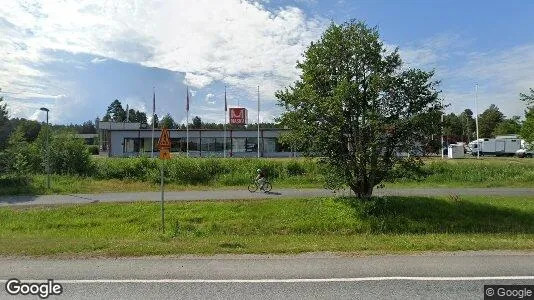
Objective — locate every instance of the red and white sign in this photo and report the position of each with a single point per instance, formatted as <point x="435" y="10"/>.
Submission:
<point x="238" y="116"/>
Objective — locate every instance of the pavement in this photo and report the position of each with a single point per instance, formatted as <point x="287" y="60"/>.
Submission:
<point x="244" y="194"/>
<point x="456" y="275"/>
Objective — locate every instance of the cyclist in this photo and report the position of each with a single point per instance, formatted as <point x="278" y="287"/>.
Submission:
<point x="261" y="178"/>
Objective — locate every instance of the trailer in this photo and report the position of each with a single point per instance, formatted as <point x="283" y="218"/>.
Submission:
<point x="497" y="147"/>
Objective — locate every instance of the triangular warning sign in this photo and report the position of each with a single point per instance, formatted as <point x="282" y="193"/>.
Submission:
<point x="164" y="139"/>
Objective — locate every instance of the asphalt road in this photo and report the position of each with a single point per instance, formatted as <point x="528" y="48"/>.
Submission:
<point x="244" y="194"/>
<point x="309" y="276"/>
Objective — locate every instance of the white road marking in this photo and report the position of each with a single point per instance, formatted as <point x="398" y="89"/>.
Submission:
<point x="289" y="280"/>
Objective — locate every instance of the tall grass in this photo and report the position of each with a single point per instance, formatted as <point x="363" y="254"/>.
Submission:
<point x="487" y="172"/>
<point x="143" y="174"/>
<point x="204" y="171"/>
<point x="388" y="224"/>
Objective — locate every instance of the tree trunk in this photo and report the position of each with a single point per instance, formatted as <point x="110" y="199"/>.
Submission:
<point x="363" y="191"/>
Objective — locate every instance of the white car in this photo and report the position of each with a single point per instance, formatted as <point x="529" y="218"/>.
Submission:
<point x="524" y="153"/>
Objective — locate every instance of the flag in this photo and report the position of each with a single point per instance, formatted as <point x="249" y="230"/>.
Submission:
<point x="187" y="101"/>
<point x="225" y="105"/>
<point x="154" y="104"/>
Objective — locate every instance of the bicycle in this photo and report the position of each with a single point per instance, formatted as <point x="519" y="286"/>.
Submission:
<point x="255" y="185"/>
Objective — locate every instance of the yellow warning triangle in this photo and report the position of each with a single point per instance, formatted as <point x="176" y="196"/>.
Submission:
<point x="164" y="139"/>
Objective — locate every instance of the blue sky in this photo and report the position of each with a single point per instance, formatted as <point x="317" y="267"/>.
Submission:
<point x="76" y="57"/>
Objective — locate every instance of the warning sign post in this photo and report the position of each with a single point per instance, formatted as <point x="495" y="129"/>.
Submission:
<point x="164" y="146"/>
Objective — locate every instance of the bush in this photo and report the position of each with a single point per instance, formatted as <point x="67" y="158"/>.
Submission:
<point x="14" y="180"/>
<point x="21" y="157"/>
<point x="195" y="171"/>
<point x="69" y="155"/>
<point x="294" y="168"/>
<point x="93" y="149"/>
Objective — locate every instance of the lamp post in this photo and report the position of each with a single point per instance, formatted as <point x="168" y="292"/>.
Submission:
<point x="47" y="150"/>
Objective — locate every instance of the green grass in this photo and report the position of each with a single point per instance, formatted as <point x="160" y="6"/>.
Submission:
<point x="472" y="172"/>
<point x="384" y="225"/>
<point x="142" y="174"/>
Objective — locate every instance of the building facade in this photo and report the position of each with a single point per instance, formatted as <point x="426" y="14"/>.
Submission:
<point x="135" y="139"/>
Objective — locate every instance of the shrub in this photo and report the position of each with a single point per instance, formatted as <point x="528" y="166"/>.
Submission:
<point x="294" y="168"/>
<point x="69" y="155"/>
<point x="93" y="149"/>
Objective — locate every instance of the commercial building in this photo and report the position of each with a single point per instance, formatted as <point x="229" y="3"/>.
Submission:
<point x="134" y="139"/>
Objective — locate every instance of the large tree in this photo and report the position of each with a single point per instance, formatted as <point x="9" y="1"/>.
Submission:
<point x="356" y="105"/>
<point x="468" y="125"/>
<point x="115" y="112"/>
<point x="4" y="118"/>
<point x="508" y="126"/>
<point x="167" y="122"/>
<point x="87" y="127"/>
<point x="452" y="128"/>
<point x="197" y="122"/>
<point x="527" y="130"/>
<point x="155" y="121"/>
<point x="3" y="111"/>
<point x="489" y="120"/>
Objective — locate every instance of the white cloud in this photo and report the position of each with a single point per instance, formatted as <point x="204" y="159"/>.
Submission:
<point x="236" y="41"/>
<point x="501" y="75"/>
<point x="209" y="98"/>
<point x="196" y="80"/>
<point x="98" y="60"/>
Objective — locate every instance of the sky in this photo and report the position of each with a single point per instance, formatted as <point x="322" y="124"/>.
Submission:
<point x="75" y="57"/>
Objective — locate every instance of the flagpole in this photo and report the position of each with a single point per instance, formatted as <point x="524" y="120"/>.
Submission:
<point x="225" y="110"/>
<point x="153" y="121"/>
<point x="476" y="119"/>
<point x="442" y="113"/>
<point x="258" y="121"/>
<point x="187" y="123"/>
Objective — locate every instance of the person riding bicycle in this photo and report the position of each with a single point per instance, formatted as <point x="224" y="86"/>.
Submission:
<point x="261" y="178"/>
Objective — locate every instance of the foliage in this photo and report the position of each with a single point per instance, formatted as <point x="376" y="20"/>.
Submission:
<point x="489" y="120"/>
<point x="30" y="129"/>
<point x="155" y="121"/>
<point x="4" y="116"/>
<point x="508" y="126"/>
<point x="195" y="171"/>
<point x="115" y="112"/>
<point x="459" y="128"/>
<point x="197" y="123"/>
<point x="68" y="155"/>
<point x="355" y="105"/>
<point x="527" y="98"/>
<point x="93" y="149"/>
<point x="167" y="122"/>
<point x="87" y="127"/>
<point x="21" y="156"/>
<point x="468" y="125"/>
<point x="137" y="116"/>
<point x="527" y="130"/>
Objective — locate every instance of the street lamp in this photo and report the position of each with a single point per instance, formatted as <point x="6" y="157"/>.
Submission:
<point x="47" y="150"/>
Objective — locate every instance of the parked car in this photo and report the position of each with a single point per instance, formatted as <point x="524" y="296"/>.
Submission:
<point x="524" y="153"/>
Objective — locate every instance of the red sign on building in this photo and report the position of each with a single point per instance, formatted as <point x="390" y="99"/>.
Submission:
<point x="238" y="116"/>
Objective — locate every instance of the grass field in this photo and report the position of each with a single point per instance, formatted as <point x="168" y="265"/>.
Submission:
<point x="118" y="175"/>
<point x="384" y="225"/>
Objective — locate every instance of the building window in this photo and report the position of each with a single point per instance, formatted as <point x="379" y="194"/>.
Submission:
<point x="132" y="145"/>
<point x="194" y="144"/>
